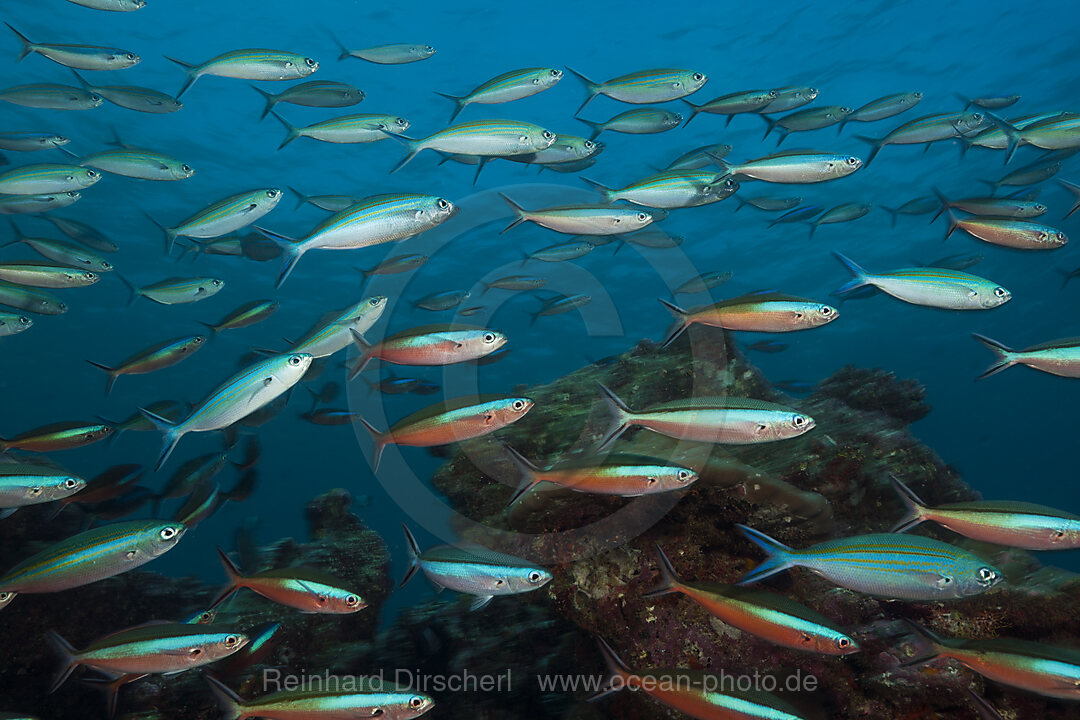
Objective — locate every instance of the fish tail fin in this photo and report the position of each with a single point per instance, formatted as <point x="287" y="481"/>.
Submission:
<point x="779" y="556"/>
<point x="681" y="316"/>
<point x="935" y="641"/>
<point x="1006" y="356"/>
<point x="840" y="125"/>
<point x="893" y="213"/>
<point x="602" y="189"/>
<point x="520" y="214"/>
<point x="232" y="572"/>
<point x="590" y="87"/>
<point x="621" y="416"/>
<point x="232" y="707"/>
<point x="915" y="507"/>
<point x="414" y="555"/>
<point x="479" y="166"/>
<point x="954" y="225"/>
<point x="133" y="292"/>
<point x="527" y="471"/>
<point x="344" y="51"/>
<point x="82" y="81"/>
<point x="695" y="110"/>
<point x="875" y="147"/>
<point x="27" y="45"/>
<point x="770" y="125"/>
<point x="859" y="280"/>
<point x="381" y="441"/>
<point x="365" y="354"/>
<point x="270" y="98"/>
<point x="170" y="432"/>
<point x="596" y="127"/>
<point x="1011" y="134"/>
<point x="301" y="198"/>
<point x="68" y="661"/>
<point x="720" y="163"/>
<point x="742" y="203"/>
<point x="964" y="99"/>
<point x="19" y="237"/>
<point x="192" y="76"/>
<point x="669" y="579"/>
<point x="291" y="252"/>
<point x="111" y="688"/>
<point x="945" y="205"/>
<point x="618" y="672"/>
<point x="212" y="329"/>
<point x="813" y="228"/>
<point x="411" y="149"/>
<point x="986" y="710"/>
<point x="459" y="105"/>
<point x="111" y="372"/>
<point x="291" y="131"/>
<point x="170" y="235"/>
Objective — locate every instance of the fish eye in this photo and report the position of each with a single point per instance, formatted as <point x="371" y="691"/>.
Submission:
<point x="71" y="483"/>
<point x="698" y="77"/>
<point x="129" y="56"/>
<point x="589" y="144"/>
<point x="352" y="600"/>
<point x="535" y="576"/>
<point x="198" y="340"/>
<point x="167" y="533"/>
<point x="798" y="421"/>
<point x="987" y="574"/>
<point x="310" y="62"/>
<point x="416" y="702"/>
<point x="826" y="310"/>
<point x="443" y="204"/>
<point x="843" y="643"/>
<point x="977" y="117"/>
<point x="1061" y="236"/>
<point x="489" y="337"/>
<point x="231" y="640"/>
<point x="683" y="475"/>
<point x="518" y="405"/>
<point x="185" y="168"/>
<point x="1000" y="291"/>
<point x="23" y="320"/>
<point x="106" y="265"/>
<point x="730" y="183"/>
<point x="1039" y="207"/>
<point x="547" y="134"/>
<point x="642" y="216"/>
<point x="89" y="276"/>
<point x="294" y="360"/>
<point x="845" y="110"/>
<point x="917" y="95"/>
<point x="402" y="121"/>
<point x="853" y="161"/>
<point x="374" y="302"/>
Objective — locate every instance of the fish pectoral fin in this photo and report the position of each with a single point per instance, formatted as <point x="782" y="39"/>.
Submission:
<point x="480" y="601"/>
<point x="7" y="512"/>
<point x="938" y="580"/>
<point x="252" y="207"/>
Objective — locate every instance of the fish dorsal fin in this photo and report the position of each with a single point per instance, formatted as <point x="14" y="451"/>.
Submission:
<point x="726" y="403"/>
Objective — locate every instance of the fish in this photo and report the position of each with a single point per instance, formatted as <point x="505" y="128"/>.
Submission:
<point x="63" y="253"/>
<point x="768" y="203"/>
<point x="244" y="316"/>
<point x="581" y="219"/>
<point x="765" y="615"/>
<point x="304" y="589"/>
<point x="58" y="436"/>
<point x="671" y="189"/>
<point x="18" y="204"/>
<point x="841" y="213"/>
<point x="156" y="357"/>
<point x="344" y="130"/>
<point x="242" y="394"/>
<point x="795" y="386"/>
<point x="768" y="346"/>
<point x="516" y="283"/>
<point x="930" y="287"/>
<point x="480" y="137"/>
<point x="918" y="206"/>
<point x="176" y="291"/>
<point x="151" y="648"/>
<point x="331" y="416"/>
<point x="474" y="571"/>
<point x="396" y="264"/>
<point x="1075" y="190"/>
<point x="996" y="138"/>
<point x="888" y="565"/>
<point x="46" y="178"/>
<point x="700" y="157"/>
<point x="46" y="276"/>
<point x="1009" y="232"/>
<point x="754" y="312"/>
<point x="333" y="331"/>
<point x="704" y="282"/>
<point x="133" y="97"/>
<point x="12" y="324"/>
<point x="640" y="121"/>
<point x="559" y="305"/>
<point x="723" y="420"/>
<point x="376" y="220"/>
<point x="790" y="98"/>
<point x="106" y="485"/>
<point x="644" y="87"/>
<point x="393" y="385"/>
<point x="621" y="475"/>
<point x="1048" y="670"/>
<point x="82" y="233"/>
<point x="249" y="64"/>
<point x="83" y="57"/>
<point x="49" y="96"/>
<point x="989" y="103"/>
<point x="566" y="150"/>
<point x="1060" y="132"/>
<point x="795" y="166"/>
<point x="561" y="252"/>
<point x="29" y="141"/>
<point x="799" y="214"/>
<point x="374" y="698"/>
<point x="141" y="164"/>
<point x="392" y="54"/>
<point x="955" y="262"/>
<point x="190" y="475"/>
<point x="23" y="484"/>
<point x="264" y="639"/>
<point x="452" y="421"/>
<point x="30" y="299"/>
<point x="506" y="87"/>
<point x="692" y="692"/>
<point x="330" y="203"/>
<point x="1013" y="524"/>
<point x="313" y="93"/>
<point x="112" y="5"/>
<point x="442" y="300"/>
<point x="732" y="104"/>
<point x="805" y="120"/>
<point x="1000" y="207"/>
<point x="884" y="107"/>
<point x="223" y="217"/>
<point x="1056" y="357"/>
<point x="90" y="556"/>
<point x="927" y="129"/>
<point x="170" y="409"/>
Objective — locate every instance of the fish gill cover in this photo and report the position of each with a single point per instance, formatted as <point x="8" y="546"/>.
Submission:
<point x="678" y="497"/>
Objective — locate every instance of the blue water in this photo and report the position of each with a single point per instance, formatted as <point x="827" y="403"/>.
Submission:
<point x="1012" y="436"/>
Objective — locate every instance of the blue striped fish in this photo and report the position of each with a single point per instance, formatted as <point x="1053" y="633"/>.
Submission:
<point x="508" y="86"/>
<point x="49" y="96"/>
<point x="249" y="64"/>
<point x="373" y="221"/>
<point x="485" y="138"/>
<point x="889" y="565"/>
<point x="333" y="331"/>
<point x="645" y="86"/>
<point x="224" y="216"/>
<point x="932" y="287"/>
<point x="47" y="178"/>
<point x="91" y="556"/>
<point x="133" y="97"/>
<point x="672" y="189"/>
<point x="241" y="395"/>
